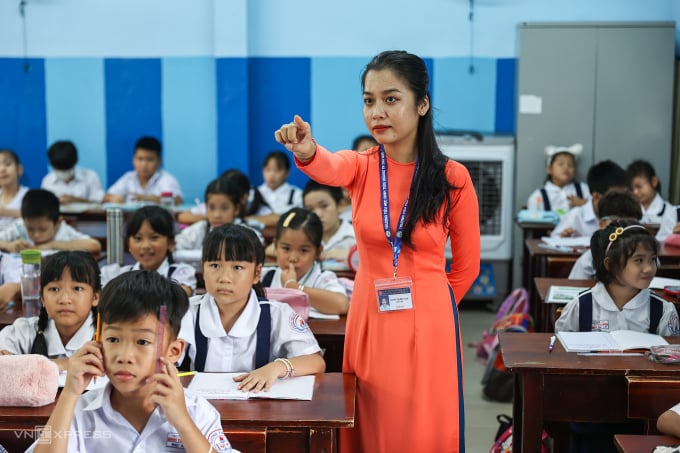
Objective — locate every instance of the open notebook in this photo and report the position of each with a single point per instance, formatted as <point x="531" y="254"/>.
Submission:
<point x="617" y="340"/>
<point x="221" y="386"/>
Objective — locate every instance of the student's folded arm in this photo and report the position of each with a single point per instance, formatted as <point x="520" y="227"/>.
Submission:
<point x="88" y="245"/>
<point x="308" y="364"/>
<point x="327" y="301"/>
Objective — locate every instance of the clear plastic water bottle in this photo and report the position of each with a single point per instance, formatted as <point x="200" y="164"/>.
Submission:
<point x="167" y="200"/>
<point x="30" y="282"/>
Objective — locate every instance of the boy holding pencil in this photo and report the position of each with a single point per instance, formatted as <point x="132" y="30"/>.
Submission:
<point x="143" y="407"/>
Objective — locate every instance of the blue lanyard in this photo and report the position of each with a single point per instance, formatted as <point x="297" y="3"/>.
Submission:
<point x="395" y="242"/>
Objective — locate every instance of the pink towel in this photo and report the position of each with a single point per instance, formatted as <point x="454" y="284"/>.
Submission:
<point x="28" y="380"/>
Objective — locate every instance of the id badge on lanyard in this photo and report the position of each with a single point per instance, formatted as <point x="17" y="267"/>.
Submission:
<point x="396" y="293"/>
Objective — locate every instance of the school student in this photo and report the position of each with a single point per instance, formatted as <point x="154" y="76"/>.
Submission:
<point x="69" y="290"/>
<point x="670" y="223"/>
<point x="150" y="235"/>
<point x="41" y="227"/>
<point x="11" y="190"/>
<point x="277" y="192"/>
<point x="327" y="203"/>
<point x="232" y="328"/>
<point x="561" y="191"/>
<point x="144" y="405"/>
<point x="223" y="198"/>
<point x="613" y="206"/>
<point x="147" y="181"/>
<point x="582" y="220"/>
<point x="67" y="181"/>
<point x="646" y="186"/>
<point x="297" y="242"/>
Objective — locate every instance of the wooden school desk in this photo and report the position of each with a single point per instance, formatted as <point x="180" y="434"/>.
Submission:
<point x="628" y="443"/>
<point x="252" y="425"/>
<point x="330" y="334"/>
<point x="564" y="387"/>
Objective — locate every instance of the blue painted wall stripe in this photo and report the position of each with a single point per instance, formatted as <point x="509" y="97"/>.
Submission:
<point x="133" y="109"/>
<point x="189" y="123"/>
<point x="463" y="100"/>
<point x="506" y="93"/>
<point x="22" y="115"/>
<point x="232" y="114"/>
<point x="75" y="108"/>
<point x="287" y="82"/>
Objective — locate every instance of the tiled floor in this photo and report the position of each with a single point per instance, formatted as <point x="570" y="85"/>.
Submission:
<point x="480" y="415"/>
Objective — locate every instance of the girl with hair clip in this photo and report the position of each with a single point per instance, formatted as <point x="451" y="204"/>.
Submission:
<point x="70" y="289"/>
<point x="561" y="190"/>
<point x="150" y="236"/>
<point x="11" y="190"/>
<point x="625" y="258"/>
<point x="223" y="327"/>
<point x="298" y="247"/>
<point x="223" y="201"/>
<point x="408" y="199"/>
<point x="646" y="187"/>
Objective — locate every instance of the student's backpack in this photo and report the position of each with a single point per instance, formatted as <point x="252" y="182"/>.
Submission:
<point x="503" y="440"/>
<point x="512" y="316"/>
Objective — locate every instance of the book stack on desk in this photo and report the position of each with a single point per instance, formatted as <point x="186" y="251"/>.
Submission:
<point x="618" y="340"/>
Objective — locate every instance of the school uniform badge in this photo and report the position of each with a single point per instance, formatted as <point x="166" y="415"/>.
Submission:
<point x="173" y="440"/>
<point x="218" y="440"/>
<point x="297" y="323"/>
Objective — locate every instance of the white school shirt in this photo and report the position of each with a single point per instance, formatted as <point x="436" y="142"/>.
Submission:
<point x="583" y="267"/>
<point x="558" y="197"/>
<point x="607" y="317"/>
<point x="129" y="185"/>
<point x="676" y="409"/>
<point x="669" y="219"/>
<point x="656" y="210"/>
<point x="235" y="351"/>
<point x="17" y="230"/>
<point x="18" y="338"/>
<point x="192" y="237"/>
<point x="582" y="219"/>
<point x="344" y="238"/>
<point x="314" y="278"/>
<point x="14" y="204"/>
<point x="10" y="268"/>
<point x="85" y="184"/>
<point x="184" y="273"/>
<point x="279" y="199"/>
<point x="97" y="427"/>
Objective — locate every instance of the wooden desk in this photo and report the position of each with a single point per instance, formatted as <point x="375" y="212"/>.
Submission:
<point x="251" y="425"/>
<point x="565" y="387"/>
<point x="535" y="230"/>
<point x="331" y="336"/>
<point x="627" y="443"/>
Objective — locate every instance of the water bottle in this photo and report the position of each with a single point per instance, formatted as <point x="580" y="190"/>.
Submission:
<point x="167" y="200"/>
<point x="30" y="282"/>
<point x="114" y="236"/>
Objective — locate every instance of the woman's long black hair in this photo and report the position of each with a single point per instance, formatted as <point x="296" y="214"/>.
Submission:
<point x="430" y="188"/>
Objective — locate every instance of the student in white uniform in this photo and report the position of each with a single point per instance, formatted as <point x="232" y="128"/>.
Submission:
<point x="147" y="181"/>
<point x="613" y="206"/>
<point x="223" y="200"/>
<point x="561" y="191"/>
<point x="11" y="190"/>
<point x="69" y="291"/>
<point x="625" y="254"/>
<point x="279" y="195"/>
<point x="41" y="227"/>
<point x="327" y="203"/>
<point x="143" y="407"/>
<point x="670" y="223"/>
<point x="646" y="187"/>
<point x="150" y="235"/>
<point x="297" y="242"/>
<point x="67" y="181"/>
<point x="10" y="278"/>
<point x="582" y="220"/>
<point x="224" y="328"/>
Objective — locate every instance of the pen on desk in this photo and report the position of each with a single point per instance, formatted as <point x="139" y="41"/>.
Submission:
<point x="605" y="353"/>
<point x="552" y="343"/>
<point x="185" y="373"/>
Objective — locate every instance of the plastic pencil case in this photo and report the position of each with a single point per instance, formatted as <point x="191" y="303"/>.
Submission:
<point x="528" y="216"/>
<point x="665" y="353"/>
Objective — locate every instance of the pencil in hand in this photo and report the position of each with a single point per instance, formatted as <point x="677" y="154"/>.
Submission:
<point x="97" y="334"/>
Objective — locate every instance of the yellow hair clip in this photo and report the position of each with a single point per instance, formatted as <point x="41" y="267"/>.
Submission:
<point x="286" y="222"/>
<point x="618" y="232"/>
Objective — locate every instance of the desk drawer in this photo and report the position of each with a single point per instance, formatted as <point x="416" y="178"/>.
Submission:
<point x="650" y="397"/>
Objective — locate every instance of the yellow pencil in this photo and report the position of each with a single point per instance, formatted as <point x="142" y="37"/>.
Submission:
<point x="186" y="373"/>
<point x="97" y="334"/>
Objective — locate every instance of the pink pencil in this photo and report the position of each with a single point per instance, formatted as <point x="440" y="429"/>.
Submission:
<point x="160" y="333"/>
